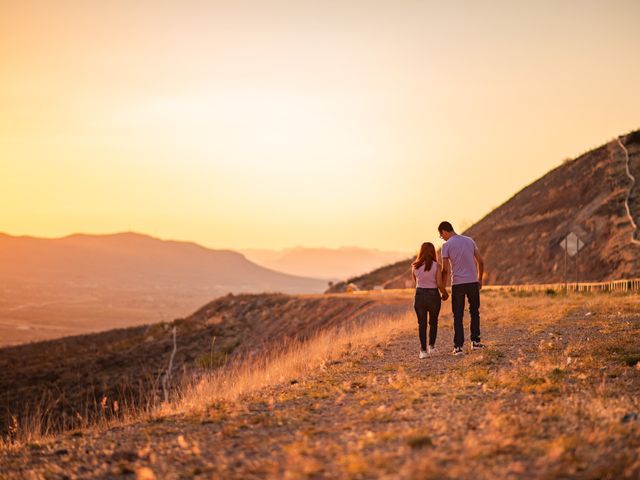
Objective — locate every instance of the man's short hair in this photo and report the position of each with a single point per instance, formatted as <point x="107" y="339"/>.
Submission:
<point x="445" y="227"/>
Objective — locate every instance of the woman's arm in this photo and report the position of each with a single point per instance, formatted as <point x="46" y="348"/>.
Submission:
<point x="440" y="282"/>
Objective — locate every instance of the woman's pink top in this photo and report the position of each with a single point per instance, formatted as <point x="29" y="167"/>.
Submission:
<point x="426" y="279"/>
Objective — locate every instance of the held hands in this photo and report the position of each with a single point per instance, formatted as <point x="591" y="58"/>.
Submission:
<point x="444" y="296"/>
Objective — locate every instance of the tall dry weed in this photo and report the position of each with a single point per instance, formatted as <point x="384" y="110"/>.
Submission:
<point x="296" y="361"/>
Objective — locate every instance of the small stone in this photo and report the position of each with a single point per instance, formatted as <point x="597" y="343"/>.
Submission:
<point x="182" y="442"/>
<point x="145" y="473"/>
<point x="628" y="417"/>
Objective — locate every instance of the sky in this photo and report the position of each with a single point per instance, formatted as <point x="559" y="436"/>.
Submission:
<point x="272" y="124"/>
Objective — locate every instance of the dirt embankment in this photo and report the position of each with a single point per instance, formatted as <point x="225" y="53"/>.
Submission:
<point x="75" y="379"/>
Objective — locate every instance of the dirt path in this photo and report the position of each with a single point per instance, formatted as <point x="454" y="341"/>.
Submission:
<point x="519" y="409"/>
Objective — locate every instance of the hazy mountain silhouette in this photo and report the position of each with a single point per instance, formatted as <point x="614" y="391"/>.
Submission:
<point x="134" y="259"/>
<point x="329" y="263"/>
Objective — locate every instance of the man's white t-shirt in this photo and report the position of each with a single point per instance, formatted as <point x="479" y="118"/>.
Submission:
<point x="460" y="251"/>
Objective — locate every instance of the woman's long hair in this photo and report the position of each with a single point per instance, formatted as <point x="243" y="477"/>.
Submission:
<point x="426" y="256"/>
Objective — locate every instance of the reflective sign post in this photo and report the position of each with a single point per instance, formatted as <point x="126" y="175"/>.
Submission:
<point x="571" y="245"/>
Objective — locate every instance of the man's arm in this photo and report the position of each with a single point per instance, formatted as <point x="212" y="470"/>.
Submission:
<point x="480" y="263"/>
<point x="446" y="271"/>
<point x="441" y="284"/>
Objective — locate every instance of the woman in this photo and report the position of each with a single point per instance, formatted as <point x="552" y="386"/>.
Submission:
<point x="427" y="274"/>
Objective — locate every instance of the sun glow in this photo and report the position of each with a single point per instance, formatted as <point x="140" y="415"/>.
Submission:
<point x="238" y="125"/>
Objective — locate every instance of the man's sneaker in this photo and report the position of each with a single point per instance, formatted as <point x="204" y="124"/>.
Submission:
<point x="431" y="350"/>
<point x="476" y="345"/>
<point x="423" y="354"/>
<point x="457" y="351"/>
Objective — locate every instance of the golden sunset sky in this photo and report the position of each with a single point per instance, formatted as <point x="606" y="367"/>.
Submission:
<point x="270" y="124"/>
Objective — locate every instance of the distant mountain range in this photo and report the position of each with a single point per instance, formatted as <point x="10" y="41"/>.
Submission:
<point x="595" y="196"/>
<point x="329" y="263"/>
<point x="132" y="260"/>
<point x="82" y="283"/>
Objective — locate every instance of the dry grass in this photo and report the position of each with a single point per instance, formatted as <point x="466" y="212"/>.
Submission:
<point x="137" y="401"/>
<point x="555" y="395"/>
<point x="545" y="406"/>
<point x="61" y="385"/>
<point x="289" y="365"/>
<point x="40" y="424"/>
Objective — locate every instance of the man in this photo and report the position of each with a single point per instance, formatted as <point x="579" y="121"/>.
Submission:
<point x="460" y="256"/>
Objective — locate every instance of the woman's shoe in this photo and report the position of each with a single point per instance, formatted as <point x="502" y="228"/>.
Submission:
<point x="423" y="354"/>
<point x="431" y="350"/>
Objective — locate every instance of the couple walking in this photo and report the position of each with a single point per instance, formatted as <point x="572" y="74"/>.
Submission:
<point x="461" y="258"/>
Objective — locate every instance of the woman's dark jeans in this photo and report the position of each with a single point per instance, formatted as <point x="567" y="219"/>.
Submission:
<point x="427" y="305"/>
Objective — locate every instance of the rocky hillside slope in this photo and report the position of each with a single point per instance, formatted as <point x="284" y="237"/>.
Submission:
<point x="596" y="196"/>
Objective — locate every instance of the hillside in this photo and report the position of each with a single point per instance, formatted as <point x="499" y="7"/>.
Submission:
<point x="395" y="275"/>
<point x="555" y="395"/>
<point x="596" y="196"/>
<point x="126" y="365"/>
<point x="82" y="283"/>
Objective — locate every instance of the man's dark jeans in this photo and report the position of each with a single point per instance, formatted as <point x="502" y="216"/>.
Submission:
<point x="427" y="303"/>
<point x="472" y="292"/>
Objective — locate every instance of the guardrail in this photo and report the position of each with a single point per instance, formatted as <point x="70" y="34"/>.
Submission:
<point x="631" y="286"/>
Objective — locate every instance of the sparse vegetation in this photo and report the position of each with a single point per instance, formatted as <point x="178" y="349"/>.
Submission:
<point x="65" y="380"/>
<point x="555" y="395"/>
